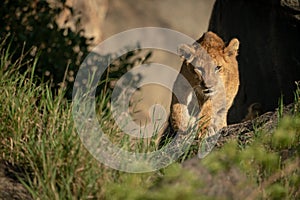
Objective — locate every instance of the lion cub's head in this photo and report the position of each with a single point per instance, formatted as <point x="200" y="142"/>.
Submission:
<point x="208" y="61"/>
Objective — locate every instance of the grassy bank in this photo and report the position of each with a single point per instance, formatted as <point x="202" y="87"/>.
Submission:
<point x="37" y="133"/>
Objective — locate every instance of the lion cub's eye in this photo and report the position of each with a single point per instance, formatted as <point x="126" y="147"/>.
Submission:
<point x="218" y="68"/>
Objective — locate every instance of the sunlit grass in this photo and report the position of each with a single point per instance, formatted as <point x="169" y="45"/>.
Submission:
<point x="37" y="133"/>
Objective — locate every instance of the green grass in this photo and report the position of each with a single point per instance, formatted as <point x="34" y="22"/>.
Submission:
<point x="37" y="133"/>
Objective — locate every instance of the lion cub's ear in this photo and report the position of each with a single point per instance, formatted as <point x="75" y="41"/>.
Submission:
<point x="186" y="52"/>
<point x="232" y="48"/>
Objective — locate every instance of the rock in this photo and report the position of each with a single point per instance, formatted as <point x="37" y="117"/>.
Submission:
<point x="232" y="183"/>
<point x="91" y="13"/>
<point x="244" y="131"/>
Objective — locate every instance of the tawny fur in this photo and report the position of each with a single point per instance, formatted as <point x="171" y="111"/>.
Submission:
<point x="212" y="71"/>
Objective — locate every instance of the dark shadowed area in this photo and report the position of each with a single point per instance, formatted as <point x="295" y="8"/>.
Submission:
<point x="269" y="59"/>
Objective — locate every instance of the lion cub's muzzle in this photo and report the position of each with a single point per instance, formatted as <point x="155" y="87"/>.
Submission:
<point x="209" y="91"/>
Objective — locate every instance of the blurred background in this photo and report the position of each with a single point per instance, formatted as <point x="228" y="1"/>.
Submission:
<point x="190" y="17"/>
<point x="104" y="18"/>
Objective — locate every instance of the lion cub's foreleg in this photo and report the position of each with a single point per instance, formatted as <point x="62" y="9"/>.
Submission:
<point x="181" y="117"/>
<point x="213" y="115"/>
<point x="205" y="116"/>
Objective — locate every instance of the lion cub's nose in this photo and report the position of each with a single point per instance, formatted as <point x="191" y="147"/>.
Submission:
<point x="208" y="90"/>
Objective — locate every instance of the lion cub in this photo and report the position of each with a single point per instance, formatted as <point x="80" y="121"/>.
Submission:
<point x="211" y="71"/>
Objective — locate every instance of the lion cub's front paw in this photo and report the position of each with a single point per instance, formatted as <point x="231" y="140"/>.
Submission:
<point x="207" y="131"/>
<point x="187" y="123"/>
